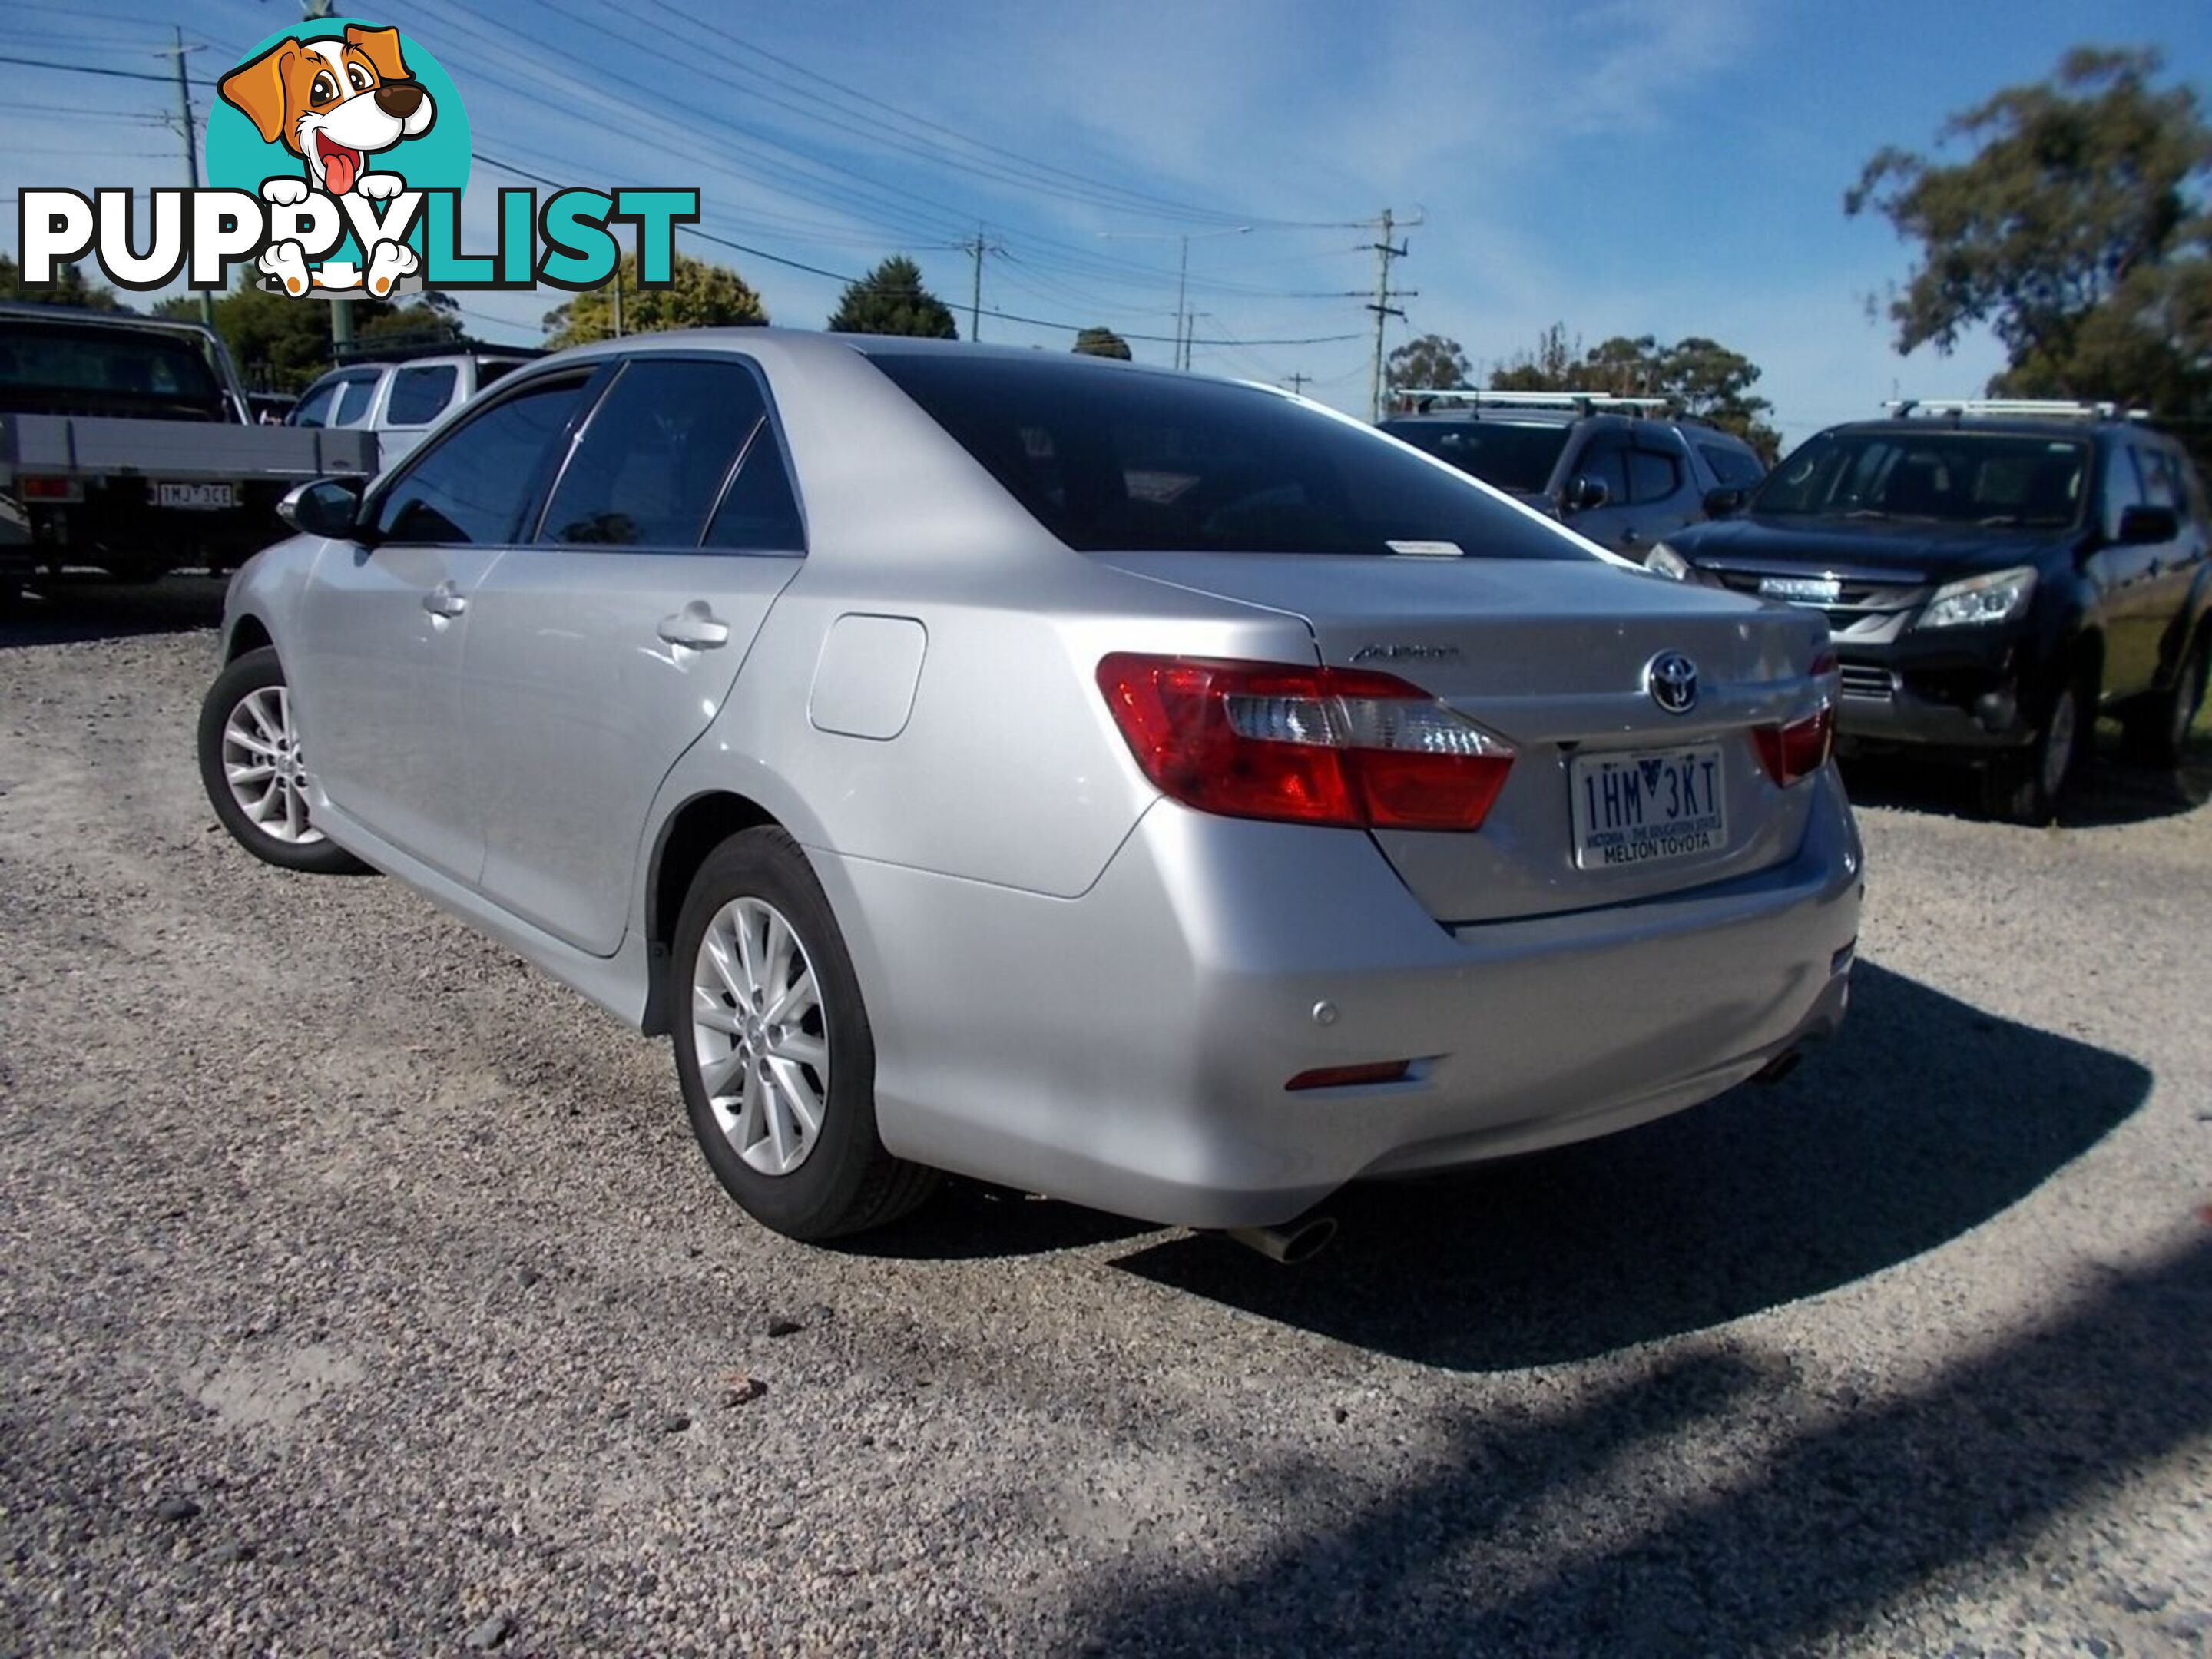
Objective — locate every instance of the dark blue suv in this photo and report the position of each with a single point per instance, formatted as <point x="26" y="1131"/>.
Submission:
<point x="1995" y="573"/>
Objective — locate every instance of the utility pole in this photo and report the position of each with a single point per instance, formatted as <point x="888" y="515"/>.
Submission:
<point x="188" y="129"/>
<point x="1381" y="306"/>
<point x="1297" y="383"/>
<point x="1186" y="325"/>
<point x="618" y="316"/>
<point x="977" y="247"/>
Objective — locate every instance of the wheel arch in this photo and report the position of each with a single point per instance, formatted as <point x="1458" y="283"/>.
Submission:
<point x="687" y="836"/>
<point x="248" y="633"/>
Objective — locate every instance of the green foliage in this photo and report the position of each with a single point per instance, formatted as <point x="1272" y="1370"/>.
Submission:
<point x="279" y="343"/>
<point x="701" y="295"/>
<point x="1101" y="343"/>
<point x="1431" y="363"/>
<point x="70" y="287"/>
<point x="1702" y="379"/>
<point x="2076" y="231"/>
<point x="890" y="299"/>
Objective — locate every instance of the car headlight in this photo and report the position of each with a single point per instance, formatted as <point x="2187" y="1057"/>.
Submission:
<point x="1666" y="562"/>
<point x="1998" y="596"/>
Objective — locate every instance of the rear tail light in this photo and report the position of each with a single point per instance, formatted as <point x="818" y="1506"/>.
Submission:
<point x="1303" y="745"/>
<point x="47" y="489"/>
<point x="1796" y="751"/>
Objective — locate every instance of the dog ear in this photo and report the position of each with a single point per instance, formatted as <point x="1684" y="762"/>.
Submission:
<point x="381" y="48"/>
<point x="258" y="89"/>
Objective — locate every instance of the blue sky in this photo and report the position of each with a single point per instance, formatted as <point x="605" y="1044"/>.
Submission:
<point x="1670" y="170"/>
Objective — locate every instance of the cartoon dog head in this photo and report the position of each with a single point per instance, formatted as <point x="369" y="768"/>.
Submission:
<point x="334" y="103"/>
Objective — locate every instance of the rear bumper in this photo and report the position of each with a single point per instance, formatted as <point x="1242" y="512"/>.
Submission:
<point x="1128" y="1049"/>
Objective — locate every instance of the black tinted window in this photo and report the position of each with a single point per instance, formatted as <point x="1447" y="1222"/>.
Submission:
<point x="654" y="455"/>
<point x="1652" y="476"/>
<point x="1605" y="459"/>
<point x="496" y="369"/>
<point x="1732" y="467"/>
<point x="759" y="514"/>
<point x="473" y="484"/>
<point x="419" y="396"/>
<point x="1943" y="475"/>
<point x="1121" y="459"/>
<point x="1500" y="453"/>
<point x="315" y="408"/>
<point x="355" y="396"/>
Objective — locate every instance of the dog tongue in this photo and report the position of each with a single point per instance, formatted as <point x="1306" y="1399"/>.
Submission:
<point x="338" y="170"/>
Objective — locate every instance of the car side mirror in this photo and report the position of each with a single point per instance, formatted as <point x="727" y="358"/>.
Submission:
<point x="328" y="506"/>
<point x="1720" y="503"/>
<point x="1582" y="493"/>
<point x="2139" y="524"/>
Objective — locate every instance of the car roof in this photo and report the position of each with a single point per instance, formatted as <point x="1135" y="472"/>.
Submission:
<point x="1688" y="426"/>
<point x="88" y="317"/>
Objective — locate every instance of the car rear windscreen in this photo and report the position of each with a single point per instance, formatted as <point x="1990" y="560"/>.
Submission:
<point x="93" y="367"/>
<point x="1119" y="460"/>
<point x="1512" y="457"/>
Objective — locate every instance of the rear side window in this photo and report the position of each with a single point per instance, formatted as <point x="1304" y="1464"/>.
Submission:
<point x="1652" y="476"/>
<point x="654" y="455"/>
<point x="759" y="514"/>
<point x="1732" y="467"/>
<point x="356" y="395"/>
<point x="419" y="396"/>
<point x="1127" y="460"/>
<point x="471" y="485"/>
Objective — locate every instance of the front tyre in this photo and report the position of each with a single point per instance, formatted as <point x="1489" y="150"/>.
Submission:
<point x="251" y="768"/>
<point x="2025" y="786"/>
<point x="774" y="1050"/>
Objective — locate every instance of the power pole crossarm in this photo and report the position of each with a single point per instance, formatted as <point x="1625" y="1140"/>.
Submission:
<point x="1385" y="252"/>
<point x="976" y="249"/>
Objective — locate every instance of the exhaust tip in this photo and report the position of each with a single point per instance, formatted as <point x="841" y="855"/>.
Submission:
<point x="1295" y="1241"/>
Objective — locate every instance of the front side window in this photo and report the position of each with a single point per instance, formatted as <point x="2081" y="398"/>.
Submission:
<point x="419" y="396"/>
<point x="1128" y="460"/>
<point x="1605" y="458"/>
<point x="1652" y="476"/>
<point x="1942" y="475"/>
<point x="355" y="394"/>
<point x="472" y="484"/>
<point x="2162" y="485"/>
<point x="654" y="455"/>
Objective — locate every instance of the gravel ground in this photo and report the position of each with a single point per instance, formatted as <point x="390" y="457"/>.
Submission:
<point x="362" y="1290"/>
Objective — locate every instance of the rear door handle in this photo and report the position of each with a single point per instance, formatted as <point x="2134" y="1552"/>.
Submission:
<point x="696" y="625"/>
<point x="444" y="600"/>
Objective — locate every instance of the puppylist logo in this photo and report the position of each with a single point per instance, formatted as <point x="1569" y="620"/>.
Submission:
<point x="337" y="153"/>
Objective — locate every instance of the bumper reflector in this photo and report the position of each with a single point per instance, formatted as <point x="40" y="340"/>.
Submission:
<point x="1339" y="1076"/>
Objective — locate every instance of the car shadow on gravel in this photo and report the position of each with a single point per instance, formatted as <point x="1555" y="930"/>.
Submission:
<point x="1859" y="1503"/>
<point x="2110" y="791"/>
<point x="73" y="610"/>
<point x="1924" y="1118"/>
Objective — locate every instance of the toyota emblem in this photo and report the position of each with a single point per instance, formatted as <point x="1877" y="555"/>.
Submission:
<point x="1672" y="680"/>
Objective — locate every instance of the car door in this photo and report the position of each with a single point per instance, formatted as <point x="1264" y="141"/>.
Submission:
<point x="2174" y="566"/>
<point x="383" y="623"/>
<point x="599" y="653"/>
<point x="2123" y="574"/>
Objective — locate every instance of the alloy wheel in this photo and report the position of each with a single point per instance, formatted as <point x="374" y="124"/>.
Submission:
<point x="261" y="763"/>
<point x="762" y="1034"/>
<point x="2059" y="744"/>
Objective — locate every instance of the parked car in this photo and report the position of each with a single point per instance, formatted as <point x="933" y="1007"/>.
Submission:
<point x="400" y="396"/>
<point x="1622" y="471"/>
<point x="126" y="446"/>
<point x="1146" y="789"/>
<point x="1996" y="573"/>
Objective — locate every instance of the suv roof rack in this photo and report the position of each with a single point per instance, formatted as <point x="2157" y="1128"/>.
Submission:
<point x="1583" y="403"/>
<point x="2040" y="408"/>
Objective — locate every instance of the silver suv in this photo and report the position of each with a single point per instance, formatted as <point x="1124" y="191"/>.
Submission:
<point x="399" y="399"/>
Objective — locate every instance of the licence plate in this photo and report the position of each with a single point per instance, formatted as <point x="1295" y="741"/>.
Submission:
<point x="1648" y="805"/>
<point x="197" y="497"/>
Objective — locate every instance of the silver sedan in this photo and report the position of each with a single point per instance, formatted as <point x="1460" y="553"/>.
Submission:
<point x="1153" y="791"/>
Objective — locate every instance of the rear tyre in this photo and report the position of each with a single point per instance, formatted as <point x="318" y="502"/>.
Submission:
<point x="774" y="1050"/>
<point x="251" y="768"/>
<point x="2158" y="731"/>
<point x="2025" y="786"/>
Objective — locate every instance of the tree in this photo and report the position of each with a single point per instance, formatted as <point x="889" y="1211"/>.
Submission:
<point x="701" y="295"/>
<point x="279" y="343"/>
<point x="1549" y="367"/>
<point x="2076" y="231"/>
<point x="1101" y="343"/>
<point x="890" y="299"/>
<point x="1431" y="363"/>
<point x="69" y="288"/>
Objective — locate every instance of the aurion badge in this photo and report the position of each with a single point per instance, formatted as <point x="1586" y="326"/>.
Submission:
<point x="1672" y="680"/>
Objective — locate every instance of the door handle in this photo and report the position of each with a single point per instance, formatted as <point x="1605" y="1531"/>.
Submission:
<point x="444" y="601"/>
<point x="695" y="626"/>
